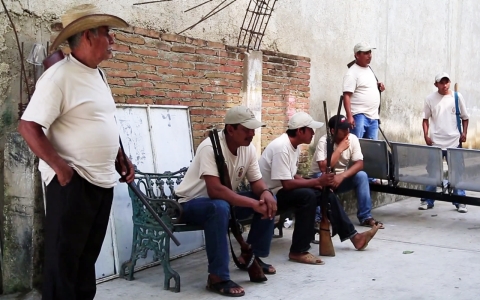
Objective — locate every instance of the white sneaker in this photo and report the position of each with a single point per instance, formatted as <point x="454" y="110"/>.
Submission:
<point x="462" y="208"/>
<point x="424" y="205"/>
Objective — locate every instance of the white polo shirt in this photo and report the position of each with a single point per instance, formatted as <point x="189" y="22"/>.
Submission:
<point x="77" y="110"/>
<point x="243" y="164"/>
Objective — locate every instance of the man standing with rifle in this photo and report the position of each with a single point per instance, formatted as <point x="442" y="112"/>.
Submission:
<point x="207" y="197"/>
<point x="278" y="164"/>
<point x="69" y="124"/>
<point x="361" y="92"/>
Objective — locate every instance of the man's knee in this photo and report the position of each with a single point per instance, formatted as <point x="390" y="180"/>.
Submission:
<point x="221" y="207"/>
<point x="361" y="176"/>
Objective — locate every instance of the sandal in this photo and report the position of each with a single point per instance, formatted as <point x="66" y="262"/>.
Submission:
<point x="255" y="271"/>
<point x="370" y="222"/>
<point x="266" y="268"/>
<point x="223" y="288"/>
<point x="308" y="259"/>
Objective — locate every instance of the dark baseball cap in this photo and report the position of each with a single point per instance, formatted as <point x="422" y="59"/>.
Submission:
<point x="342" y="124"/>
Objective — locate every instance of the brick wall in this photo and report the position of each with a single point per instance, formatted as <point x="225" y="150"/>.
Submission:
<point x="150" y="67"/>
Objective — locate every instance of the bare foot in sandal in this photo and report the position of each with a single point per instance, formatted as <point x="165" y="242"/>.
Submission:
<point x="305" y="258"/>
<point x="361" y="240"/>
<point x="370" y="222"/>
<point x="224" y="287"/>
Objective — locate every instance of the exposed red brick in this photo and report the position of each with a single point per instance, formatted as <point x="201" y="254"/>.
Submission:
<point x="172" y="38"/>
<point x="206" y="51"/>
<point x="123" y="91"/>
<point x="198" y="81"/>
<point x="178" y="95"/>
<point x="147" y="32"/>
<point x="232" y="91"/>
<point x="193" y="73"/>
<point x="124" y="74"/>
<point x="168" y="71"/>
<point x="157" y="62"/>
<point x="127" y="57"/>
<point x="215" y="45"/>
<point x="182" y="65"/>
<point x="150" y="77"/>
<point x="167" y="86"/>
<point x="141" y="67"/>
<point x="206" y="67"/>
<point x="190" y="87"/>
<point x="145" y="52"/>
<point x="130" y="38"/>
<point x="183" y="49"/>
<point x="113" y="65"/>
<point x="152" y="92"/>
<point x="144" y="84"/>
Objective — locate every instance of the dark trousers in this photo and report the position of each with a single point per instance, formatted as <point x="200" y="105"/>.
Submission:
<point x="303" y="202"/>
<point x="75" y="225"/>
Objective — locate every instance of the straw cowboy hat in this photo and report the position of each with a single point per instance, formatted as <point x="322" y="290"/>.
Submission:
<point x="83" y="17"/>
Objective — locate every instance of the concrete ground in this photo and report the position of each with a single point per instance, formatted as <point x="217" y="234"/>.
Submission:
<point x="445" y="264"/>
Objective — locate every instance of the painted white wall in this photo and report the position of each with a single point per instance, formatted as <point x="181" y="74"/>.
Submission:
<point x="414" y="40"/>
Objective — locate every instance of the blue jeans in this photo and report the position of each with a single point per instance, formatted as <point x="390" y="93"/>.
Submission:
<point x="431" y="168"/>
<point x="214" y="216"/>
<point x="364" y="127"/>
<point x="359" y="182"/>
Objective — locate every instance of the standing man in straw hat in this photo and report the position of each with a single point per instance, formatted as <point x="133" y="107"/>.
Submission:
<point x="70" y="125"/>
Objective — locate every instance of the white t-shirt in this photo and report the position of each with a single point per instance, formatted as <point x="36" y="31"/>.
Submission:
<point x="243" y="164"/>
<point x="353" y="153"/>
<point x="77" y="110"/>
<point x="279" y="161"/>
<point x="362" y="83"/>
<point x="441" y="111"/>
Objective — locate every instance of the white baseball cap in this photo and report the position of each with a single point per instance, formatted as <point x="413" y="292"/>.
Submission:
<point x="362" y="47"/>
<point x="242" y="115"/>
<point x="440" y="76"/>
<point x="302" y="119"/>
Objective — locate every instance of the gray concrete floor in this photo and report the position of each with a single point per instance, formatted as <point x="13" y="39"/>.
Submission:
<point x="445" y="264"/>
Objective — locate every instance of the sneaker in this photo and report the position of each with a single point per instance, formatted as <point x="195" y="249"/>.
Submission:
<point x="424" y="205"/>
<point x="462" y="208"/>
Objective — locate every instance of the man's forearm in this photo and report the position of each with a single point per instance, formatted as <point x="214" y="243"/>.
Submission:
<point x="465" y="126"/>
<point x="347" y="103"/>
<point x="425" y="127"/>
<point x="298" y="183"/>
<point x="39" y="144"/>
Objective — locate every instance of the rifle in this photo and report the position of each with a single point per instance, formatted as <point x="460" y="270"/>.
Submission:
<point x="58" y="56"/>
<point x="251" y="263"/>
<point x="325" y="238"/>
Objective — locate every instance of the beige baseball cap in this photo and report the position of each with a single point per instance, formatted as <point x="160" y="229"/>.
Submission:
<point x="362" y="47"/>
<point x="242" y="115"/>
<point x="440" y="76"/>
<point x="302" y="119"/>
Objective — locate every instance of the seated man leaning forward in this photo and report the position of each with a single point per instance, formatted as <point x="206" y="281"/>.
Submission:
<point x="346" y="151"/>
<point x="207" y="202"/>
<point x="278" y="165"/>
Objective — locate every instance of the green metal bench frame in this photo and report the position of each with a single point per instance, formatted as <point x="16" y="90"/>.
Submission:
<point x="148" y="234"/>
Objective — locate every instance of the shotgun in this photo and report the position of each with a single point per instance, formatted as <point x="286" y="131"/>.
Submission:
<point x="325" y="238"/>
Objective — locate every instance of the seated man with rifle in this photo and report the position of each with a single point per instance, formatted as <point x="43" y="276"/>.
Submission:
<point x="347" y="162"/>
<point x="208" y="197"/>
<point x="278" y="164"/>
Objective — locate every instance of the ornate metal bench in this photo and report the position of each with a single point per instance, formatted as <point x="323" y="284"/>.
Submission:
<point x="147" y="233"/>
